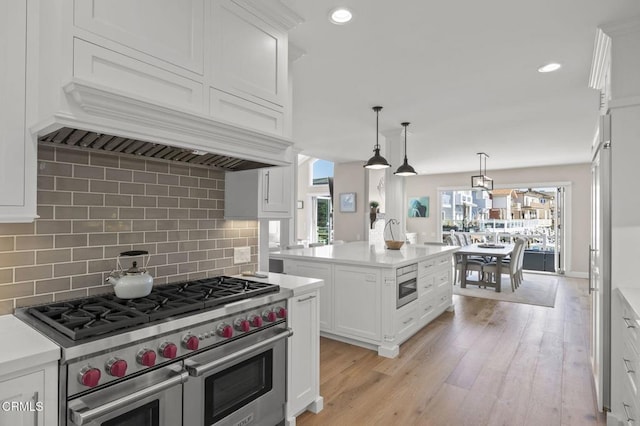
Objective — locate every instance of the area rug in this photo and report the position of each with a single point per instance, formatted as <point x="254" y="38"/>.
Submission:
<point x="535" y="289"/>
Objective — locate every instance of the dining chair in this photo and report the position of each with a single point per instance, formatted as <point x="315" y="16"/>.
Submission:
<point x="472" y="264"/>
<point x="508" y="266"/>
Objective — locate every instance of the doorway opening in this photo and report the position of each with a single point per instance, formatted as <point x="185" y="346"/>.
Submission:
<point x="535" y="213"/>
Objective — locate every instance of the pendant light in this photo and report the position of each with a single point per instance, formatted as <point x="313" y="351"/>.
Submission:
<point x="405" y="169"/>
<point x="377" y="161"/>
<point x="482" y="181"/>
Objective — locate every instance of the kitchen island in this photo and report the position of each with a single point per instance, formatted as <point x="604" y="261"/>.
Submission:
<point x="363" y="302"/>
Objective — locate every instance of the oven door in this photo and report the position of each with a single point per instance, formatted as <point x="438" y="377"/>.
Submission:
<point x="151" y="399"/>
<point x="239" y="383"/>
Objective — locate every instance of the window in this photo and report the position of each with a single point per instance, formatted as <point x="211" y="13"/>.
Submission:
<point x="322" y="171"/>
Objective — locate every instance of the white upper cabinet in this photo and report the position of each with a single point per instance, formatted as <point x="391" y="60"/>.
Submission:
<point x="249" y="56"/>
<point x="17" y="161"/>
<point x="259" y="194"/>
<point x="172" y="31"/>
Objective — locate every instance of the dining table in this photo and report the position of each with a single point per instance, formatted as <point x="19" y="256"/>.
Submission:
<point x="489" y="252"/>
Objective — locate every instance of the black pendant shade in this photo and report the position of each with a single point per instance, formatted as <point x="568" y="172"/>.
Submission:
<point x="377" y="161"/>
<point x="405" y="169"/>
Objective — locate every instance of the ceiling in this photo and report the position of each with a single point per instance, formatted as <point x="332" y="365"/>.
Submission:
<point x="463" y="73"/>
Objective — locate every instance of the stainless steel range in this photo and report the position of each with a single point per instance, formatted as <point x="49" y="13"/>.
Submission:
<point x="204" y="352"/>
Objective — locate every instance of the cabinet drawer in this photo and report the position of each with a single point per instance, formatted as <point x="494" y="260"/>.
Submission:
<point x="630" y="365"/>
<point x="631" y="325"/>
<point x="426" y="285"/>
<point x="406" y="322"/>
<point x="426" y="266"/>
<point x="426" y="306"/>
<point x="444" y="260"/>
<point x="442" y="280"/>
<point x="629" y="409"/>
<point x="443" y="298"/>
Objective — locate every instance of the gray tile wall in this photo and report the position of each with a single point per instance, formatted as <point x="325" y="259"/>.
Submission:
<point x="93" y="206"/>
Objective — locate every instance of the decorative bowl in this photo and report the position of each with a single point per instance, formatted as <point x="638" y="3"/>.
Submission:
<point x="393" y="244"/>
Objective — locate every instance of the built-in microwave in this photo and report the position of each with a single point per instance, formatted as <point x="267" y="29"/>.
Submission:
<point x="406" y="284"/>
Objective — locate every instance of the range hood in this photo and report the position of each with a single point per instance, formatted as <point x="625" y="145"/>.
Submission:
<point x="82" y="139"/>
<point x="104" y="119"/>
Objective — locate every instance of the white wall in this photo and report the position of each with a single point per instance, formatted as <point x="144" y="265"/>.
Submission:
<point x="579" y="175"/>
<point x="350" y="177"/>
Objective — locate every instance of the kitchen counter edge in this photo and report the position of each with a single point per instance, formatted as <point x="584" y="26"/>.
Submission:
<point x="298" y="285"/>
<point x="24" y="347"/>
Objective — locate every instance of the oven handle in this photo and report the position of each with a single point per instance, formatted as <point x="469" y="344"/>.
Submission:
<point x="195" y="369"/>
<point x="86" y="416"/>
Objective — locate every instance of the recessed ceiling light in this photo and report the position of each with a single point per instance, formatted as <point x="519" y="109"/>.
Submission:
<point x="340" y="15"/>
<point x="550" y="67"/>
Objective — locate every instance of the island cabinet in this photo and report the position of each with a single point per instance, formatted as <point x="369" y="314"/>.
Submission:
<point x="358" y="302"/>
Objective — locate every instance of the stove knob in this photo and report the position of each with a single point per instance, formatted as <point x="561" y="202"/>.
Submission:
<point x="255" y="320"/>
<point x="168" y="350"/>
<point x="269" y="316"/>
<point x="242" y="324"/>
<point x="190" y="342"/>
<point x="89" y="376"/>
<point x="116" y="367"/>
<point x="281" y="312"/>
<point x="146" y="357"/>
<point x="225" y="330"/>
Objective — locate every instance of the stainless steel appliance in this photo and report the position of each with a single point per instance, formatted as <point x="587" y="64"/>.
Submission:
<point x="204" y="352"/>
<point x="406" y="284"/>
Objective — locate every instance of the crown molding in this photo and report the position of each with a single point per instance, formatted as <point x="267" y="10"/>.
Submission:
<point x="274" y="10"/>
<point x="622" y="27"/>
<point x="601" y="60"/>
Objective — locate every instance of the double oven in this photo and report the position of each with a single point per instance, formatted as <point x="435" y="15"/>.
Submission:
<point x="220" y="366"/>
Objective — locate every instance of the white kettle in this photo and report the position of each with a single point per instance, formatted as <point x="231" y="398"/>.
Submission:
<point x="133" y="282"/>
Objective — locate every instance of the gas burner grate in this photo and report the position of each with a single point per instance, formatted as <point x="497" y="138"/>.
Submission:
<point x="83" y="318"/>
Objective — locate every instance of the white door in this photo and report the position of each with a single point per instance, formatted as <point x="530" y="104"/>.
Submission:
<point x="599" y="285"/>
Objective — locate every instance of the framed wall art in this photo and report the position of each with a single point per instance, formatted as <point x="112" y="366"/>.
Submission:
<point x="348" y="202"/>
<point x="418" y="207"/>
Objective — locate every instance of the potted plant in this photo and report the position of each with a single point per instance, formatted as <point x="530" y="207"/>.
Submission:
<point x="373" y="212"/>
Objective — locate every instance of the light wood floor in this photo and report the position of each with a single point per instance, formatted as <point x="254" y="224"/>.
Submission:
<point x="488" y="363"/>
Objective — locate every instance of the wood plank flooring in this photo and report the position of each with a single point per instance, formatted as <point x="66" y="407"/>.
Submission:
<point x="487" y="363"/>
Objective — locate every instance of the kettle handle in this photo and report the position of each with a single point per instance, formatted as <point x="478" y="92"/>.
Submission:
<point x="134" y="253"/>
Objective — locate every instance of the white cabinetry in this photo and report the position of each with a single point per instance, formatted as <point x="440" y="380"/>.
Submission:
<point x="17" y="150"/>
<point x="258" y="194"/>
<point x="357" y="294"/>
<point x="625" y="361"/>
<point x="303" y="389"/>
<point x="22" y="396"/>
<point x="435" y="291"/>
<point x="321" y="271"/>
<point x="220" y="58"/>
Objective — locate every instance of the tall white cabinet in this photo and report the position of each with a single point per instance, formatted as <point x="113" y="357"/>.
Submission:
<point x="17" y="148"/>
<point x="615" y="74"/>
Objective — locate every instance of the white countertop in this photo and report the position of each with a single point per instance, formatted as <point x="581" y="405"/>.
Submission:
<point x="299" y="285"/>
<point x="23" y="347"/>
<point x="632" y="295"/>
<point x="363" y="253"/>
